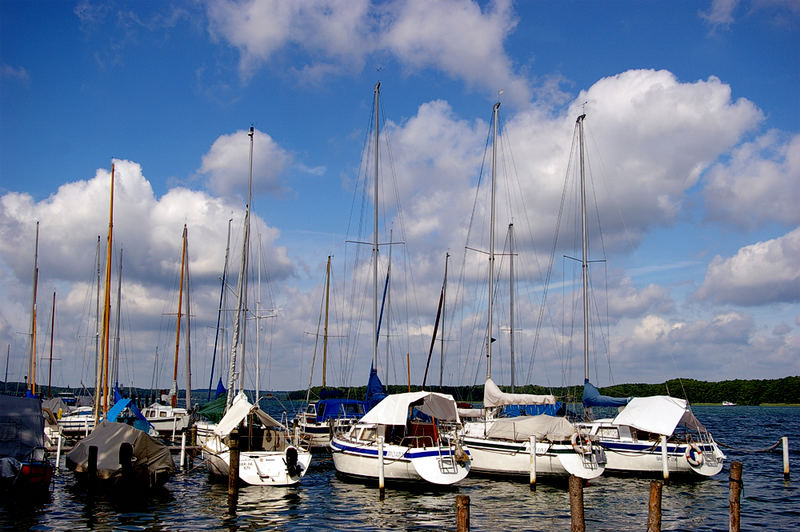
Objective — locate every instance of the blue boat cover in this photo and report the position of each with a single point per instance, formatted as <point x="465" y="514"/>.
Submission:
<point x="140" y="422"/>
<point x="340" y="408"/>
<point x="220" y="389"/>
<point x="592" y="397"/>
<point x="375" y="391"/>
<point x="556" y="409"/>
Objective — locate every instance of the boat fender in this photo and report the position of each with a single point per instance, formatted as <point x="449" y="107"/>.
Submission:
<point x="694" y="455"/>
<point x="580" y="448"/>
<point x="268" y="435"/>
<point x="293" y="467"/>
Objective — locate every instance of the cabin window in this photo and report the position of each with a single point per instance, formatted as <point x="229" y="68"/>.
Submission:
<point x="150" y="413"/>
<point x="353" y="409"/>
<point x="608" y="432"/>
<point x="368" y="434"/>
<point x="162" y="414"/>
<point x="311" y="410"/>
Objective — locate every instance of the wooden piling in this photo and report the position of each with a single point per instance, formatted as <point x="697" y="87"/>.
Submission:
<point x="233" y="465"/>
<point x="735" y="492"/>
<point x="193" y="435"/>
<point x="91" y="470"/>
<point x="785" y="441"/>
<point x="462" y="513"/>
<point x="533" y="463"/>
<point x="654" y="513"/>
<point x="576" y="504"/>
<point x="126" y="463"/>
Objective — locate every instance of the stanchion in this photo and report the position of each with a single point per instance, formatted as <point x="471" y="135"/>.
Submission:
<point x="576" y="504"/>
<point x="462" y="513"/>
<point x="785" y="441"/>
<point x="735" y="492"/>
<point x="533" y="463"/>
<point x="654" y="510"/>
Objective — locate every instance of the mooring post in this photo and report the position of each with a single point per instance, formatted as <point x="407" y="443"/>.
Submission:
<point x="58" y="452"/>
<point x="533" y="463"/>
<point x="735" y="492"/>
<point x="233" y="466"/>
<point x="654" y="513"/>
<point x="785" y="441"/>
<point x="125" y="462"/>
<point x="91" y="469"/>
<point x="381" y="479"/>
<point x="193" y="436"/>
<point x="664" y="458"/>
<point x="183" y="451"/>
<point x="576" y="504"/>
<point x="462" y="513"/>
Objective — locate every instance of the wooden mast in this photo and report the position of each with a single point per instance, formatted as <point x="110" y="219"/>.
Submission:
<point x="52" y="327"/>
<point x="188" y="326"/>
<point x="32" y="358"/>
<point x="174" y="390"/>
<point x="107" y="303"/>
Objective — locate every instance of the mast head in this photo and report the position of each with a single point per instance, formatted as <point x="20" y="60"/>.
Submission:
<point x="378" y="87"/>
<point x="580" y="118"/>
<point x="252" y="131"/>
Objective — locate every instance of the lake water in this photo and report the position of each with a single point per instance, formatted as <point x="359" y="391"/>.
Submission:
<point x="325" y="501"/>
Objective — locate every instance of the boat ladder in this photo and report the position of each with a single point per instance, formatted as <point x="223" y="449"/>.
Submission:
<point x="447" y="461"/>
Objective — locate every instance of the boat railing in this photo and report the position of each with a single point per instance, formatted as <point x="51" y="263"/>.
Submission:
<point x="423" y="441"/>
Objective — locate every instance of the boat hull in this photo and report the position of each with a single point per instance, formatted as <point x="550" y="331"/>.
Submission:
<point x="258" y="468"/>
<point x="629" y="457"/>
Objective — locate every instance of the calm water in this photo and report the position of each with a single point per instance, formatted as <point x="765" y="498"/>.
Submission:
<point x="324" y="501"/>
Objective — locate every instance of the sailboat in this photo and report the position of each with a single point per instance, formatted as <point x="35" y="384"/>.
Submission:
<point x="268" y="456"/>
<point x="411" y="436"/>
<point x="506" y="446"/>
<point x="166" y="416"/>
<point x="657" y="434"/>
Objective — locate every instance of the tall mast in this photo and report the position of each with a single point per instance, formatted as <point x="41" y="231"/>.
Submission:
<point x="491" y="247"/>
<point x="246" y="261"/>
<point x="219" y="311"/>
<point x="107" y="303"/>
<point x="258" y="325"/>
<point x="52" y="328"/>
<point x="174" y="390"/>
<point x="32" y="354"/>
<point x="388" y="302"/>
<point x="375" y="238"/>
<point x="188" y="328"/>
<point x="239" y="289"/>
<point x="325" y="336"/>
<point x="116" y="322"/>
<point x="584" y="262"/>
<point x="97" y="353"/>
<point x="444" y="300"/>
<point x="8" y="355"/>
<point x="511" y="298"/>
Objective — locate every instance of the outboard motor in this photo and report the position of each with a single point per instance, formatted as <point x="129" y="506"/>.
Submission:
<point x="293" y="466"/>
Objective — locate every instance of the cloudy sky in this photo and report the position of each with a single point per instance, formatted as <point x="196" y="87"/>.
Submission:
<point x="693" y="158"/>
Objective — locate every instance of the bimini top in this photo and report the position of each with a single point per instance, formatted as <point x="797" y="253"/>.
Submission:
<point x="494" y="396"/>
<point x="393" y="410"/>
<point x="659" y="414"/>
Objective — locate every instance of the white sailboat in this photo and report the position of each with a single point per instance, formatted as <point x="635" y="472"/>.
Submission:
<point x="393" y="441"/>
<point x="657" y="434"/>
<point x="507" y="446"/>
<point x="267" y="455"/>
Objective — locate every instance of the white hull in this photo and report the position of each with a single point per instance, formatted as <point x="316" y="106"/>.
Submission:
<point x="258" y="468"/>
<point x="166" y="419"/>
<point x="318" y="435"/>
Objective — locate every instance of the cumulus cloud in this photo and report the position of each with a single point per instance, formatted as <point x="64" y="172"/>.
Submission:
<point x="759" y="274"/>
<point x="720" y="13"/>
<point x="758" y="184"/>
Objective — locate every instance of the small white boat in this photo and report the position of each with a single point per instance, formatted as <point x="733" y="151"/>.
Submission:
<point x="418" y="433"/>
<point x="78" y="423"/>
<point x="166" y="419"/>
<point x="728" y="403"/>
<point x="266" y="455"/>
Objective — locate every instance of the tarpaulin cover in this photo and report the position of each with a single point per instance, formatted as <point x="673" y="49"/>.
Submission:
<point x="239" y="410"/>
<point x="150" y="455"/>
<point x="593" y="397"/>
<point x="393" y="410"/>
<point x="494" y="396"/>
<point x="533" y="410"/>
<point x="544" y="427"/>
<point x="21" y="426"/>
<point x="659" y="414"/>
<point x="375" y="392"/>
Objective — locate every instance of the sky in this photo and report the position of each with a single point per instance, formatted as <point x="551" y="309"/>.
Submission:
<point x="693" y="158"/>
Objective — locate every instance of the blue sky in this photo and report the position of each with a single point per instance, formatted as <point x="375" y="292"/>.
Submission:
<point x="692" y="110"/>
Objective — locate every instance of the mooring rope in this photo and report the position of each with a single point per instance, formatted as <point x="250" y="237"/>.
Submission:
<point x="764" y="450"/>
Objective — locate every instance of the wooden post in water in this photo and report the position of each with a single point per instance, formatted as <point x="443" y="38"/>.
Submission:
<point x="654" y="513"/>
<point x="183" y="451"/>
<point x="91" y="471"/>
<point x="664" y="458"/>
<point x="462" y="513"/>
<point x="576" y="504"/>
<point x="233" y="466"/>
<point x="533" y="463"/>
<point x="785" y="441"/>
<point x="733" y="498"/>
<point x="193" y="435"/>
<point x="381" y="479"/>
<point x="126" y="463"/>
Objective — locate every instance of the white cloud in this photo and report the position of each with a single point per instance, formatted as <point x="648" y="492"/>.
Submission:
<point x="720" y="13"/>
<point x="759" y="184"/>
<point x="759" y="274"/>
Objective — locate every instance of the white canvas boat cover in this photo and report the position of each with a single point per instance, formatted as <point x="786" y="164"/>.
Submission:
<point x="239" y="410"/>
<point x="659" y="414"/>
<point x="521" y="428"/>
<point x="393" y="409"/>
<point x="494" y="396"/>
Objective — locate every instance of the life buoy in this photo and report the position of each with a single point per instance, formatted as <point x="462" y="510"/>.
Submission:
<point x="581" y="449"/>
<point x="694" y="455"/>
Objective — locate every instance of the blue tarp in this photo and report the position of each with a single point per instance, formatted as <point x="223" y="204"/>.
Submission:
<point x="592" y="397"/>
<point x="340" y="408"/>
<point x="375" y="391"/>
<point x="140" y="422"/>
<point x="533" y="410"/>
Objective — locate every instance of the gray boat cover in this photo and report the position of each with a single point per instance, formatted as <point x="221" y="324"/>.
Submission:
<point x="55" y="404"/>
<point x="150" y="455"/>
<point x="521" y="428"/>
<point x="21" y="426"/>
<point x="494" y="396"/>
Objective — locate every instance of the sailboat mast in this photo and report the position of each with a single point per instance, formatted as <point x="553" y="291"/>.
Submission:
<point x="219" y="311"/>
<point x="258" y="326"/>
<point x="584" y="261"/>
<point x="325" y="330"/>
<point x="52" y="328"/>
<point x="174" y="390"/>
<point x="98" y="355"/>
<point x="491" y="247"/>
<point x="116" y="322"/>
<point x="444" y="306"/>
<point x="32" y="356"/>
<point x="246" y="262"/>
<point x="188" y="330"/>
<point x="511" y="298"/>
<point x="107" y="302"/>
<point x="388" y="302"/>
<point x="375" y="238"/>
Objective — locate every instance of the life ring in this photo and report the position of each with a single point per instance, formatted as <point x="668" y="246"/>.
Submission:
<point x="577" y="447"/>
<point x="694" y="455"/>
